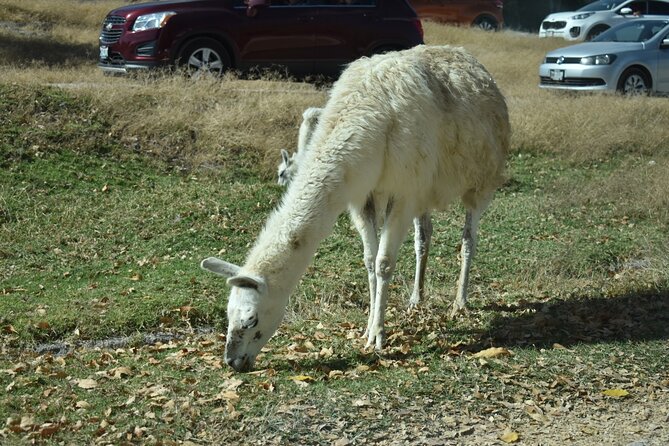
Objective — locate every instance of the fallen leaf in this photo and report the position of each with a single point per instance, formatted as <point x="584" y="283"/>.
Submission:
<point x="362" y="402"/>
<point x="120" y="372"/>
<point x="493" y="352"/>
<point x="509" y="437"/>
<point x="616" y="393"/>
<point x="302" y="379"/>
<point x="86" y="383"/>
<point x="48" y="429"/>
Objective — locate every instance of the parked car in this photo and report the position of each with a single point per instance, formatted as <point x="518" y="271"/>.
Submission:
<point x="303" y="36"/>
<point x="485" y="14"/>
<point x="596" y="17"/>
<point x="631" y="58"/>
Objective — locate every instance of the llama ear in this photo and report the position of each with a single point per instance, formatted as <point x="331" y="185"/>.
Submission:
<point x="284" y="156"/>
<point x="219" y="267"/>
<point x="246" y="281"/>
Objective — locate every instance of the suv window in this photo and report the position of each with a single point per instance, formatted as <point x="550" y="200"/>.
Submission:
<point x="658" y="8"/>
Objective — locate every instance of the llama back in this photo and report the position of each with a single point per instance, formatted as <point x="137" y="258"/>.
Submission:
<point x="428" y="121"/>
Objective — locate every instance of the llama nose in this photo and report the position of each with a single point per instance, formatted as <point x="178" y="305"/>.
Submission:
<point x="238" y="364"/>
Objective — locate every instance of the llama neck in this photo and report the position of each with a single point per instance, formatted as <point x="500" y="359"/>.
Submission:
<point x="291" y="235"/>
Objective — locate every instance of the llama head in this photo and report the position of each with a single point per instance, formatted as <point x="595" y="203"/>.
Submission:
<point x="287" y="168"/>
<point x="252" y="316"/>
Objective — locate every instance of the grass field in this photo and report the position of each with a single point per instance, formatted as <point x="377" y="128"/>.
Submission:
<point x="110" y="333"/>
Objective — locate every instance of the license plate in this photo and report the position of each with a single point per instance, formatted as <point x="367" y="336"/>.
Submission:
<point x="104" y="52"/>
<point x="557" y="75"/>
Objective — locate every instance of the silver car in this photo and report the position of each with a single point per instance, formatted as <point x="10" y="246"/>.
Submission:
<point x="631" y="58"/>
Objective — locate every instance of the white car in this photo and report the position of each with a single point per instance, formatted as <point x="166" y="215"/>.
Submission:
<point x="596" y="17"/>
<point x="631" y="58"/>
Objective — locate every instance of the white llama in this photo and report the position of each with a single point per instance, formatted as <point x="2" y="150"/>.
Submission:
<point x="403" y="133"/>
<point x="422" y="225"/>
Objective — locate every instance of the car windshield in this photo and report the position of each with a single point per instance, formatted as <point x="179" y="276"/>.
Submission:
<point x="633" y="31"/>
<point x="601" y="5"/>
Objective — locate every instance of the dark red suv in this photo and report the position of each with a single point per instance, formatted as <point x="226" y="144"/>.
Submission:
<point x="303" y="36"/>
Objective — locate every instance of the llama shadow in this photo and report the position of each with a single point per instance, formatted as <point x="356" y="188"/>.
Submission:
<point x="39" y="49"/>
<point x="634" y="317"/>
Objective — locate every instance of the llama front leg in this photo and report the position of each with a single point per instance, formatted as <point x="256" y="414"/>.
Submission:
<point x="393" y="233"/>
<point x="467" y="252"/>
<point x="365" y="223"/>
<point x="422" y="238"/>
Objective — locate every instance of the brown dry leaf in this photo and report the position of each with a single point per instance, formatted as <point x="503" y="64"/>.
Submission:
<point x="493" y="352"/>
<point x="120" y="372"/>
<point x="232" y="383"/>
<point x="48" y="429"/>
<point x="509" y="436"/>
<point x="9" y="329"/>
<point x="302" y="379"/>
<point x="362" y="402"/>
<point x="616" y="393"/>
<point x="86" y="383"/>
<point x="82" y="405"/>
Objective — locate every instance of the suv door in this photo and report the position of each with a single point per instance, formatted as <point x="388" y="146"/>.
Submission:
<point x="343" y="31"/>
<point x="278" y="34"/>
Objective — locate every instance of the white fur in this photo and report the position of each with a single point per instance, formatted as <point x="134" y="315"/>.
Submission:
<point x="422" y="225"/>
<point x="402" y="134"/>
<point x="289" y="163"/>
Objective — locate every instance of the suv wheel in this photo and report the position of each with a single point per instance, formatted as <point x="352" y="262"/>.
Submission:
<point x="204" y="56"/>
<point x="486" y="23"/>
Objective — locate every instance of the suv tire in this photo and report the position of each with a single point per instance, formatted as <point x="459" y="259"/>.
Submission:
<point x="486" y="23"/>
<point x="204" y="56"/>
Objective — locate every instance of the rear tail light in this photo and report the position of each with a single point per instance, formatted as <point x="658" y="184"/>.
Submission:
<point x="419" y="26"/>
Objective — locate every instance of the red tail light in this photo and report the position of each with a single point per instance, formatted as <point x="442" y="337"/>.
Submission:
<point x="419" y="27"/>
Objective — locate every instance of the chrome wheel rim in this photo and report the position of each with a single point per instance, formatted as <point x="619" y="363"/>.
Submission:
<point x="634" y="84"/>
<point x="205" y="60"/>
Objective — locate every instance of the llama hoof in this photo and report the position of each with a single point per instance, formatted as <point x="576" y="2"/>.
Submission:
<point x="456" y="309"/>
<point x="376" y="341"/>
<point x="414" y="302"/>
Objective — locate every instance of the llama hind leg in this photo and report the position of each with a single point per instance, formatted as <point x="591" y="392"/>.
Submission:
<point x="422" y="238"/>
<point x="467" y="252"/>
<point x="392" y="235"/>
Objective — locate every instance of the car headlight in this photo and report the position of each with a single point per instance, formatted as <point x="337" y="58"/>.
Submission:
<point x="582" y="16"/>
<point x="152" y="21"/>
<point x="602" y="59"/>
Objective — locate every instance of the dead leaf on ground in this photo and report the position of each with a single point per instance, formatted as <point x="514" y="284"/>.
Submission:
<point x="509" y="436"/>
<point x="616" y="393"/>
<point x="86" y="383"/>
<point x="493" y="352"/>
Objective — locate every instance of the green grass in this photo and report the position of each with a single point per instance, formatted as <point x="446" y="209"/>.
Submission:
<point x="98" y="241"/>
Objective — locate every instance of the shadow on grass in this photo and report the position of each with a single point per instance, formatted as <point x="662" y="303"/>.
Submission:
<point x="636" y="317"/>
<point x="23" y="51"/>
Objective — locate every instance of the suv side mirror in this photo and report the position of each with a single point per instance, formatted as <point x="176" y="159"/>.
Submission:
<point x="626" y="11"/>
<point x="665" y="43"/>
<point x="252" y="6"/>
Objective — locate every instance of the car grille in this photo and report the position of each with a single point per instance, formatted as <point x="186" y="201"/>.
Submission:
<point x="574" y="82"/>
<point x="553" y="25"/>
<point x="564" y="60"/>
<point x="112" y="29"/>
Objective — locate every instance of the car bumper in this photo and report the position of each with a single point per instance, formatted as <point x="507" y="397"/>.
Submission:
<point x="577" y="77"/>
<point x="125" y="67"/>
<point x="570" y="31"/>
